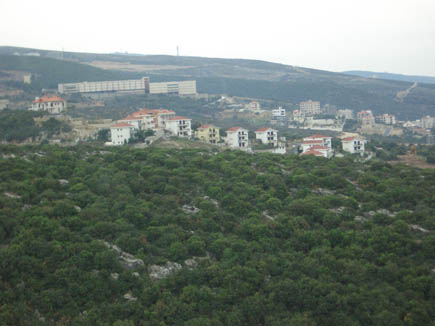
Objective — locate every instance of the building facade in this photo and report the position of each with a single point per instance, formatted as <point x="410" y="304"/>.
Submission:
<point x="353" y="145"/>
<point x="267" y="136"/>
<point x="319" y="143"/>
<point x="346" y="114"/>
<point x="237" y="137"/>
<point x="278" y="113"/>
<point x="121" y="133"/>
<point x="52" y="105"/>
<point x="366" y="118"/>
<point x="209" y="134"/>
<point x="179" y="126"/>
<point x="309" y="108"/>
<point x="187" y="87"/>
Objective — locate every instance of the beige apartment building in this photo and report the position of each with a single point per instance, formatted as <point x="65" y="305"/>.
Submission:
<point x="209" y="134"/>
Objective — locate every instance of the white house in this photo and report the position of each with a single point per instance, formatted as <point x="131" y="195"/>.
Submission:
<point x="320" y="143"/>
<point x="237" y="137"/>
<point x="278" y="114"/>
<point x="267" y="136"/>
<point x="121" y="133"/>
<point x="52" y="105"/>
<point x="353" y="145"/>
<point x="179" y="126"/>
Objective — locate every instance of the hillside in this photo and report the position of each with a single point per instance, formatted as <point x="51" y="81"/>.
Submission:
<point x="121" y="236"/>
<point x="386" y="75"/>
<point x="245" y="78"/>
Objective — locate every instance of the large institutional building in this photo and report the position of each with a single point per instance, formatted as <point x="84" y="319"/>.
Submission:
<point x="187" y="87"/>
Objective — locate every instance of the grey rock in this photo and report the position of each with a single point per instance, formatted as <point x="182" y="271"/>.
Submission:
<point x="190" y="209"/>
<point x="129" y="297"/>
<point x="157" y="272"/>
<point x="417" y="227"/>
<point x="115" y="276"/>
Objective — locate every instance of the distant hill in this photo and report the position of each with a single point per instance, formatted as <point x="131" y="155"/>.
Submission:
<point x="390" y="76"/>
<point x="238" y="77"/>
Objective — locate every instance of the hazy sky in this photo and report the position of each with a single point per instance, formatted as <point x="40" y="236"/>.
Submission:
<point x="379" y="35"/>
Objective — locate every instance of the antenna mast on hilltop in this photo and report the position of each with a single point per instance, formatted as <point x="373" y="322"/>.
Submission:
<point x="178" y="53"/>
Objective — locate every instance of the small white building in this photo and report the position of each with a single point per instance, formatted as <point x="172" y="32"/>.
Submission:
<point x="267" y="136"/>
<point x="52" y="105"/>
<point x="278" y="114"/>
<point x="121" y="133"/>
<point x="388" y="119"/>
<point x="237" y="137"/>
<point x="353" y="145"/>
<point x="179" y="126"/>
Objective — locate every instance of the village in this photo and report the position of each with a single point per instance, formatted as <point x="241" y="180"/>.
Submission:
<point x="145" y="126"/>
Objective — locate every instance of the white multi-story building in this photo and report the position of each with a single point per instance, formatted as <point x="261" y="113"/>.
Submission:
<point x="353" y="145"/>
<point x="309" y="108"/>
<point x="427" y="122"/>
<point x="366" y="118"/>
<point x="52" y="105"/>
<point x="121" y="133"/>
<point x="346" y="114"/>
<point x="179" y="126"/>
<point x="187" y="87"/>
<point x="237" y="137"/>
<point x="267" y="136"/>
<point x="105" y="86"/>
<point x="298" y="116"/>
<point x="278" y="114"/>
<point x="388" y="119"/>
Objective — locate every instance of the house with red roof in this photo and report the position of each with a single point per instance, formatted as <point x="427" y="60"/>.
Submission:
<point x="209" y="134"/>
<point x="237" y="137"/>
<point x="179" y="126"/>
<point x="267" y="136"/>
<point x="50" y="104"/>
<point x="318" y="143"/>
<point x="121" y="133"/>
<point x="353" y="145"/>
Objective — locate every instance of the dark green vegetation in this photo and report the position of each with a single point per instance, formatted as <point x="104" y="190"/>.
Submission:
<point x="286" y="240"/>
<point x="428" y="152"/>
<point x="245" y="78"/>
<point x="20" y="125"/>
<point x="120" y="106"/>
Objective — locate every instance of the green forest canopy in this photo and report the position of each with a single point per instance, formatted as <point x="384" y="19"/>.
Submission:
<point x="283" y="240"/>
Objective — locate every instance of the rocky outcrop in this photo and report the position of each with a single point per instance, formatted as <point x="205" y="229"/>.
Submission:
<point x="157" y="272"/>
<point x="127" y="260"/>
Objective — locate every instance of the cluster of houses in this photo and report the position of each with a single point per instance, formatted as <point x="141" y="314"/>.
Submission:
<point x="147" y="119"/>
<point x="320" y="145"/>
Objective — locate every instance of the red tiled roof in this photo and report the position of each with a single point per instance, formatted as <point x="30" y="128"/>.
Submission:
<point x="206" y="126"/>
<point x="262" y="129"/>
<point x="312" y="152"/>
<point x="312" y="141"/>
<point x="130" y="118"/>
<point x="45" y="99"/>
<point x="348" y="138"/>
<point x="121" y="125"/>
<point x="234" y="129"/>
<point x="179" y="118"/>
